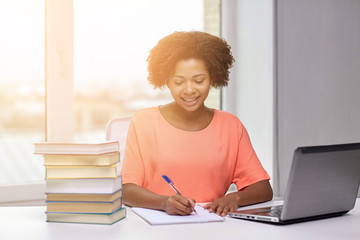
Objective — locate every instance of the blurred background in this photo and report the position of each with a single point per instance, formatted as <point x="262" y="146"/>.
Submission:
<point x="295" y="81"/>
<point x="112" y="39"/>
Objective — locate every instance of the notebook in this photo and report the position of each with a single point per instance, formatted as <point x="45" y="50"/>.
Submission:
<point x="323" y="182"/>
<point x="156" y="217"/>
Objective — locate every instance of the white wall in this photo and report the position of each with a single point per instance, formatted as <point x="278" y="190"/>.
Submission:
<point x="296" y="79"/>
<point x="247" y="25"/>
<point x="318" y="76"/>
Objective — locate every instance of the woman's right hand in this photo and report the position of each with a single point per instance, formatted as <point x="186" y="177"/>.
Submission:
<point x="136" y="196"/>
<point x="179" y="205"/>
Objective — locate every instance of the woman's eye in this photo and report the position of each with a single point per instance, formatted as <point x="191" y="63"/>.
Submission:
<point x="178" y="82"/>
<point x="199" y="80"/>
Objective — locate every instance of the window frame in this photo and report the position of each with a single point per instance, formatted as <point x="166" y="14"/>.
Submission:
<point x="59" y="101"/>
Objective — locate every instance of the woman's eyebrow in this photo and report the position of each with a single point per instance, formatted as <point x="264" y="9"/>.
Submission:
<point x="196" y="75"/>
<point x="199" y="75"/>
<point x="178" y="76"/>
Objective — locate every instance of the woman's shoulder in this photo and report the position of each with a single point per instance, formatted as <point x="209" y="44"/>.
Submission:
<point x="226" y="116"/>
<point x="146" y="115"/>
<point x="146" y="112"/>
<point x="229" y="122"/>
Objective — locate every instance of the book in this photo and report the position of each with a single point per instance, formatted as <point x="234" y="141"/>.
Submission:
<point x="156" y="217"/>
<point x="75" y="197"/>
<point x="84" y="207"/>
<point x="105" y="159"/>
<point x="85" y="185"/>
<point x="95" y="218"/>
<point x="54" y="172"/>
<point x="76" y="148"/>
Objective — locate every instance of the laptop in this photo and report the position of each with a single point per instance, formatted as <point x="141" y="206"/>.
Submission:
<point x="323" y="182"/>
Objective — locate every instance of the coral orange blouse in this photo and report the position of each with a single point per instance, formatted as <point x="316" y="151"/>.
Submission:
<point x="201" y="164"/>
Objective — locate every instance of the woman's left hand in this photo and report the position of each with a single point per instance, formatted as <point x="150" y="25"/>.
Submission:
<point x="225" y="204"/>
<point x="255" y="193"/>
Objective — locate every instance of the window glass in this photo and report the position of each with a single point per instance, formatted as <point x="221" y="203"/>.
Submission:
<point x="22" y="90"/>
<point x="112" y="39"/>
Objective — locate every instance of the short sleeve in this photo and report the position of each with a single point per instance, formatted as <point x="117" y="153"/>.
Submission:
<point x="248" y="168"/>
<point x="133" y="167"/>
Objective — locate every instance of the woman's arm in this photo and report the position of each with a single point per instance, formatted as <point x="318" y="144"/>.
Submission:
<point x="255" y="193"/>
<point x="136" y="196"/>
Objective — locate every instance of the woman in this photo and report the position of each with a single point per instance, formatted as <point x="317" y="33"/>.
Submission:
<point x="202" y="150"/>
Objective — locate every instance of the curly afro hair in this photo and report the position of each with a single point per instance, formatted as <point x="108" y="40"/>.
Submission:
<point x="212" y="50"/>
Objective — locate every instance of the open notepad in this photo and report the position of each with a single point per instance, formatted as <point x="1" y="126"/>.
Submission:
<point x="155" y="217"/>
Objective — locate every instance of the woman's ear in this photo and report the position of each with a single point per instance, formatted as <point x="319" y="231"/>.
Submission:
<point x="211" y="83"/>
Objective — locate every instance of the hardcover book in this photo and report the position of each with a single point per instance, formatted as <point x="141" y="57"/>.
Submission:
<point x="95" y="218"/>
<point x="85" y="185"/>
<point x="105" y="159"/>
<point x="76" y="148"/>
<point x="84" y="207"/>
<point x="78" y="197"/>
<point x="54" y="172"/>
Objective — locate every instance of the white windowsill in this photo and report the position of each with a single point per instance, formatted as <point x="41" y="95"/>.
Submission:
<point x="27" y="194"/>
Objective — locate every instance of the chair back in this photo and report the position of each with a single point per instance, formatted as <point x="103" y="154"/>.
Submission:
<point x="117" y="129"/>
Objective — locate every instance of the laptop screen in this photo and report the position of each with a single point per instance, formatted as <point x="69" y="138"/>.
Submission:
<point x="322" y="180"/>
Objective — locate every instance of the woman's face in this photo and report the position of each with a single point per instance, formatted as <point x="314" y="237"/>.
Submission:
<point x="190" y="84"/>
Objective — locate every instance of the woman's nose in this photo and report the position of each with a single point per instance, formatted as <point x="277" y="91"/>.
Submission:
<point x="189" y="87"/>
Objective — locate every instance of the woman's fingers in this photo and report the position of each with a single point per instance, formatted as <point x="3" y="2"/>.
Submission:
<point x="179" y="205"/>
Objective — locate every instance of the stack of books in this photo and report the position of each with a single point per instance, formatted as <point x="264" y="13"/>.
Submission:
<point x="83" y="182"/>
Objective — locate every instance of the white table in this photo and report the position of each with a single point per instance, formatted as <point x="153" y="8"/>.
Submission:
<point x="29" y="223"/>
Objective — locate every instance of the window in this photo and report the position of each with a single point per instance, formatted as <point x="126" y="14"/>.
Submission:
<point x="22" y="90"/>
<point x="112" y="40"/>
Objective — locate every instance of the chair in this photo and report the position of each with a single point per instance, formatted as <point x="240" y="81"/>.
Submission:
<point x="116" y="129"/>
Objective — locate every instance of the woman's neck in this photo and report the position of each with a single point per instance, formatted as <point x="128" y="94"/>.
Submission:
<point x="185" y="120"/>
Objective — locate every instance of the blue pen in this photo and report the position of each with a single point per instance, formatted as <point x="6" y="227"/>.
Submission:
<point x="171" y="183"/>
